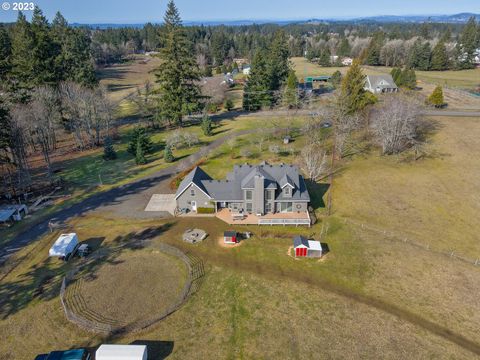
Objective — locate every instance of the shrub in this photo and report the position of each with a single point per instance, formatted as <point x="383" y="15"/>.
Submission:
<point x="109" y="152"/>
<point x="229" y="104"/>
<point x="274" y="149"/>
<point x="206" y="125"/>
<point x="205" y="210"/>
<point x="168" y="155"/>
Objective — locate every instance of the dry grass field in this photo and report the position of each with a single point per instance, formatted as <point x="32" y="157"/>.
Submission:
<point x="121" y="80"/>
<point x="434" y="200"/>
<point x="109" y="291"/>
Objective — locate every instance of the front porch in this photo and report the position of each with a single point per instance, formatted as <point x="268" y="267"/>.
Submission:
<point x="289" y="218"/>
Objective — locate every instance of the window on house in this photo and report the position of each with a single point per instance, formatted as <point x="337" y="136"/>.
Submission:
<point x="286" y="207"/>
<point x="268" y="195"/>
<point x="248" y="195"/>
<point x="287" y="191"/>
<point x="249" y="207"/>
<point x="192" y="191"/>
<point x="268" y="207"/>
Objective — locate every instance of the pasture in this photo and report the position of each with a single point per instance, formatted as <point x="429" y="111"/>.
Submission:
<point x="371" y="296"/>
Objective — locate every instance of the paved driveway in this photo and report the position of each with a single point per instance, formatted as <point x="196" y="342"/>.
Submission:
<point x="162" y="202"/>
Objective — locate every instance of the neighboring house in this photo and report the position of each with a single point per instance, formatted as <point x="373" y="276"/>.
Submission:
<point x="346" y="61"/>
<point x="228" y="79"/>
<point x="380" y="84"/>
<point x="306" y="248"/>
<point x="477" y="57"/>
<point x="259" y="190"/>
<point x="333" y="58"/>
<point x="246" y="69"/>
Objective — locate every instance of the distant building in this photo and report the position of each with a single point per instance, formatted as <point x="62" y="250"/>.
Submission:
<point x="346" y="61"/>
<point x="333" y="58"/>
<point x="380" y="84"/>
<point x="246" y="70"/>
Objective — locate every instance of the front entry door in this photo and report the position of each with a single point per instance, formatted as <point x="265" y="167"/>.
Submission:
<point x="194" y="206"/>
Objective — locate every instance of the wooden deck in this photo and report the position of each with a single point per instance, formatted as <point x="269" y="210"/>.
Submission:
<point x="293" y="218"/>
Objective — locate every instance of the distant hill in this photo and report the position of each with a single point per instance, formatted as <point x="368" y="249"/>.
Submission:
<point x="452" y="19"/>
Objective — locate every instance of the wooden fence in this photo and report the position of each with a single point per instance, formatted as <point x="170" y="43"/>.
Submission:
<point x="195" y="272"/>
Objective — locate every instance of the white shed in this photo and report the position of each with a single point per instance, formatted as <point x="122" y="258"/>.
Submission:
<point x="64" y="246"/>
<point x="121" y="352"/>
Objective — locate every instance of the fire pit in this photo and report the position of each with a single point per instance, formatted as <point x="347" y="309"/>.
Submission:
<point x="194" y="236"/>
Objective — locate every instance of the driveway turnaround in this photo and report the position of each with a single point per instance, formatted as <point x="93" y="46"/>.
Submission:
<point x="162" y="202"/>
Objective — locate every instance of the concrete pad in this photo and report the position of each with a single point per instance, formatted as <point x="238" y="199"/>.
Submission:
<point x="162" y="202"/>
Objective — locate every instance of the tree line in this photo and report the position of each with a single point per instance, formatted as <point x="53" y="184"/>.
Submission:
<point x="48" y="91"/>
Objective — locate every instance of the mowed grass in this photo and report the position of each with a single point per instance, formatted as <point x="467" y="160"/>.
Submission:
<point x="434" y="200"/>
<point x="255" y="297"/>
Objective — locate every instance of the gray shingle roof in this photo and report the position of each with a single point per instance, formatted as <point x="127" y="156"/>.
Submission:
<point x="300" y="240"/>
<point x="381" y="81"/>
<point x="196" y="176"/>
<point x="242" y="177"/>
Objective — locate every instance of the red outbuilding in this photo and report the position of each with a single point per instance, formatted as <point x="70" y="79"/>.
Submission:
<point x="230" y="237"/>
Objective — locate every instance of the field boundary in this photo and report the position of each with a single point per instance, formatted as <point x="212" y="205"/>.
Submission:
<point x="195" y="272"/>
<point x="394" y="236"/>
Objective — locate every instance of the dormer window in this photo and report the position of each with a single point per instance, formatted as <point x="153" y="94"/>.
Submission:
<point x="287" y="191"/>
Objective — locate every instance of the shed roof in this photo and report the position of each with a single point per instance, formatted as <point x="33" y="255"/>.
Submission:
<point x="230" y="234"/>
<point x="119" y="352"/>
<point x="300" y="241"/>
<point x="314" y="245"/>
<point x="384" y="81"/>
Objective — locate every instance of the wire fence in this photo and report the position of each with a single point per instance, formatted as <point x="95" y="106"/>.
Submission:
<point x="87" y="319"/>
<point x="394" y="236"/>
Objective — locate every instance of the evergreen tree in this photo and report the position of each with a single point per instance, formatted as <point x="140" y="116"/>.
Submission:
<point x="5" y="135"/>
<point x="467" y="45"/>
<point x="5" y="55"/>
<point x="336" y="79"/>
<point x="206" y="125"/>
<point x="109" y="152"/>
<point x="22" y="61"/>
<point x="140" y="158"/>
<point x="439" y="57"/>
<point x="277" y="61"/>
<point x="396" y="73"/>
<point x="290" y="94"/>
<point x="257" y="92"/>
<point x="353" y="95"/>
<point x="436" y="98"/>
<point x="373" y="50"/>
<point x="139" y="136"/>
<point x="408" y="79"/>
<point x="74" y="61"/>
<point x="168" y="154"/>
<point x="324" y="59"/>
<point x="44" y="51"/>
<point x="178" y="74"/>
<point x="344" y="49"/>
<point x="425" y="57"/>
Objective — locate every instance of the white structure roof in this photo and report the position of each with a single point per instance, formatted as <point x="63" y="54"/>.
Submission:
<point x="314" y="245"/>
<point x="64" y="245"/>
<point x="121" y="352"/>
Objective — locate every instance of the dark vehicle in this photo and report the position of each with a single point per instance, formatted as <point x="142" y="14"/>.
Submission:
<point x="76" y="354"/>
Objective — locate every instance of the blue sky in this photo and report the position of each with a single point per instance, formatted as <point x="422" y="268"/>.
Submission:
<point x="140" y="11"/>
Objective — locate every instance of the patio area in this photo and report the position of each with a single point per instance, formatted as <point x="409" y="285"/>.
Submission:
<point x="284" y="219"/>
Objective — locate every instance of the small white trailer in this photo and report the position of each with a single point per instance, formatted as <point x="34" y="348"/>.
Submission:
<point x="64" y="246"/>
<point x="121" y="352"/>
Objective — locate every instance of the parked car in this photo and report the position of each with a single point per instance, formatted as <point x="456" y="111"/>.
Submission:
<point x="76" y="354"/>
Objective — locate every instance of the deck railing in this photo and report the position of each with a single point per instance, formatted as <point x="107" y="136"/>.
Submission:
<point x="284" y="222"/>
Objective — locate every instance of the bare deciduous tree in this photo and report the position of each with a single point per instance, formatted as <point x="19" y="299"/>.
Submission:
<point x="314" y="161"/>
<point x="397" y="124"/>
